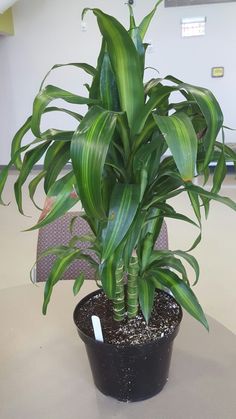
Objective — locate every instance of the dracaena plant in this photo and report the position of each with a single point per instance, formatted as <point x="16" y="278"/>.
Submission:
<point x="120" y="171"/>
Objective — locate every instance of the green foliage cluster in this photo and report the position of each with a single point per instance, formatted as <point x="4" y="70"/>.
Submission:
<point x="120" y="170"/>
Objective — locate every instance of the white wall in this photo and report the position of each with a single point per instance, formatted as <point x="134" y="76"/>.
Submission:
<point x="49" y="31"/>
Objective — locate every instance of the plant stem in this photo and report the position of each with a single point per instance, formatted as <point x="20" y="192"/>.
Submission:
<point x="119" y="300"/>
<point x="132" y="289"/>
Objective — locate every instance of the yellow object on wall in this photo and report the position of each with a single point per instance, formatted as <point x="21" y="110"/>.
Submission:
<point x="6" y="23"/>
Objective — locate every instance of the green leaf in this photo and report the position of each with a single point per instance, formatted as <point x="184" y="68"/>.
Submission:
<point x="135" y="36"/>
<point x="16" y="142"/>
<point x="89" y="149"/>
<point x="164" y="259"/>
<point x="181" y="217"/>
<point x="191" y="260"/>
<point x="219" y="173"/>
<point x="144" y="25"/>
<point x="59" y="251"/>
<point x="161" y="94"/>
<point x="107" y="271"/>
<point x="30" y="159"/>
<point x="72" y="223"/>
<point x="62" y="198"/>
<point x="211" y="112"/>
<point x="124" y="132"/>
<point x="206" y="173"/>
<point x="5" y="171"/>
<point x="153" y="223"/>
<point x="123" y="207"/>
<point x="149" y="156"/>
<point x="108" y="88"/>
<point x="206" y="205"/>
<point x="143" y="182"/>
<point x="3" y="179"/>
<point x="58" y="154"/>
<point x="133" y="237"/>
<point x="94" y="92"/>
<point x="145" y="134"/>
<point x="47" y="95"/>
<point x="146" y="292"/>
<point x="107" y="275"/>
<point x="229" y="153"/>
<point x="177" y="265"/>
<point x="78" y="283"/>
<point x="59" y="267"/>
<point x="182" y="293"/>
<point x="125" y="64"/>
<point x="86" y="67"/>
<point x="164" y="197"/>
<point x="167" y="185"/>
<point x="182" y="141"/>
<point x="147" y="247"/>
<point x="149" y="234"/>
<point x="33" y="186"/>
<point x="162" y="256"/>
<point x="218" y="177"/>
<point x="57" y="135"/>
<point x="75" y="115"/>
<point x="194" y="199"/>
<point x="73" y="241"/>
<point x="205" y="194"/>
<point x="137" y="40"/>
<point x="195" y="243"/>
<point x="151" y="85"/>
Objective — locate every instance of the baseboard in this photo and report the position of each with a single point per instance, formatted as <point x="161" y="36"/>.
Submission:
<point x="36" y="167"/>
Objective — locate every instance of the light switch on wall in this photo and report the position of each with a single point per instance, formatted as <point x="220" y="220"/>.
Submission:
<point x="217" y="72"/>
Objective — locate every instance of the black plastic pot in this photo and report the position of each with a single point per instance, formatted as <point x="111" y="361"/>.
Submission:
<point x="132" y="372"/>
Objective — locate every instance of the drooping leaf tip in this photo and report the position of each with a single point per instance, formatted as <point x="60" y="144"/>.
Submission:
<point x="4" y="204"/>
<point x="85" y="10"/>
<point x="44" y="310"/>
<point x="206" y="324"/>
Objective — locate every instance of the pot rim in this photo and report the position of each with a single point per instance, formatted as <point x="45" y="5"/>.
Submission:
<point x="160" y="341"/>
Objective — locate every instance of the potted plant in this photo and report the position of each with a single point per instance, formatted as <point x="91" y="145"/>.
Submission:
<point x="121" y="174"/>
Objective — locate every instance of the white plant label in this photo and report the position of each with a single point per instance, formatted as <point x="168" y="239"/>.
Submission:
<point x="97" y="328"/>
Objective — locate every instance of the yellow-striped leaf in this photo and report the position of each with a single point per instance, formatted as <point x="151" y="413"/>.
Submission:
<point x="59" y="267"/>
<point x="30" y="159"/>
<point x="108" y="88"/>
<point x="125" y="63"/>
<point x="107" y="271"/>
<point x="78" y="283"/>
<point x="47" y="95"/>
<point x="213" y="115"/>
<point x="61" y="198"/>
<point x="211" y="195"/>
<point x="144" y="25"/>
<point x="123" y="207"/>
<point x="83" y="66"/>
<point x="89" y="149"/>
<point x="57" y="155"/>
<point x="146" y="291"/>
<point x="33" y="186"/>
<point x="211" y="111"/>
<point x="182" y="293"/>
<point x="182" y="141"/>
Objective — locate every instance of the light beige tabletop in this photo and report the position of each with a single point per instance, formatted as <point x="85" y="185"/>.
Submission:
<point x="44" y="372"/>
